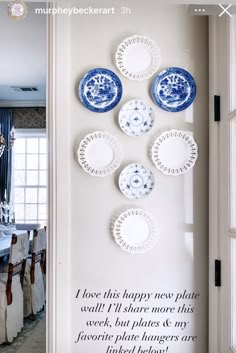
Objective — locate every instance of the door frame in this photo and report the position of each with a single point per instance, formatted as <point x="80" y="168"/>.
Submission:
<point x="220" y="79"/>
<point x="59" y="153"/>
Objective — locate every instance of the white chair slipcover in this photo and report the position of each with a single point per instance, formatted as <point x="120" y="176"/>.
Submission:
<point x="39" y="241"/>
<point x="11" y="315"/>
<point x="34" y="291"/>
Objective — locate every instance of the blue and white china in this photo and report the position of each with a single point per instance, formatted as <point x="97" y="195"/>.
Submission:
<point x="174" y="152"/>
<point x="136" y="117"/>
<point x="174" y="89"/>
<point x="138" y="57"/>
<point x="99" y="154"/>
<point x="136" y="181"/>
<point x="100" y="90"/>
<point x="135" y="231"/>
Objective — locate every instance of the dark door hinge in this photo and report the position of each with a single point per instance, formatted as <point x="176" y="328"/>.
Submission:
<point x="217" y="273"/>
<point x="217" y="108"/>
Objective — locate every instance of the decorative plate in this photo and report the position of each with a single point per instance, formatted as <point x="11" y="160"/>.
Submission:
<point x="174" y="152"/>
<point x="136" y="181"/>
<point x="174" y="89"/>
<point x="138" y="57"/>
<point x="17" y="10"/>
<point x="100" y="90"/>
<point x="135" y="231"/>
<point x="136" y="117"/>
<point x="99" y="154"/>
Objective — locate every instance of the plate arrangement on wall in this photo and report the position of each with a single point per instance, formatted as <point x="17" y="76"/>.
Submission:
<point x="174" y="152"/>
<point x="100" y="90"/>
<point x="174" y="89"/>
<point x="99" y="154"/>
<point x="136" y="117"/>
<point x="135" y="231"/>
<point x="138" y="57"/>
<point x="136" y="181"/>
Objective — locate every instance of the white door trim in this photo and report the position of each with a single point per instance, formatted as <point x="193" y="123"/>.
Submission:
<point x="213" y="186"/>
<point x="219" y="297"/>
<point x="58" y="120"/>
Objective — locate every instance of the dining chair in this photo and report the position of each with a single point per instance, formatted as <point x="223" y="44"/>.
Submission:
<point x="34" y="291"/>
<point x="11" y="289"/>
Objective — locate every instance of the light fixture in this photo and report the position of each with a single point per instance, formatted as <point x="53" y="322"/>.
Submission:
<point x="6" y="145"/>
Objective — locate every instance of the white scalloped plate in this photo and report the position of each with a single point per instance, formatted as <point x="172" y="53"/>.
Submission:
<point x="136" y="117"/>
<point x="136" y="181"/>
<point x="174" y="152"/>
<point x="135" y="231"/>
<point x="138" y="57"/>
<point x="99" y="154"/>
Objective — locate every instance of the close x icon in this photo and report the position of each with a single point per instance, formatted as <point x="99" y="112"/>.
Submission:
<point x="225" y="9"/>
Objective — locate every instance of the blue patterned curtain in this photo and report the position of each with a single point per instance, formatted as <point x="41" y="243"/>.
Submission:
<point x="6" y="122"/>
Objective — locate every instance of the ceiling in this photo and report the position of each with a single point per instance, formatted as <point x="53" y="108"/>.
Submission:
<point x="23" y="58"/>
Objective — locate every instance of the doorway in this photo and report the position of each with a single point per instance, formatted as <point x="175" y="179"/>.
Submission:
<point x="24" y="176"/>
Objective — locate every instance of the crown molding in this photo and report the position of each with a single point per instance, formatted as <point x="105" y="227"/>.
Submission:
<point x="23" y="104"/>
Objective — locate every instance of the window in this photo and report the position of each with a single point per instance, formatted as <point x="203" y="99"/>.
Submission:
<point x="30" y="177"/>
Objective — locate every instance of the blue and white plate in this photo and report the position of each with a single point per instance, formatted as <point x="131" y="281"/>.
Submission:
<point x="100" y="90"/>
<point x="174" y="89"/>
<point x="136" y="117"/>
<point x="136" y="181"/>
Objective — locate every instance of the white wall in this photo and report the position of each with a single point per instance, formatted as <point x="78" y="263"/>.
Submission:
<point x="179" y="204"/>
<point x="23" y="54"/>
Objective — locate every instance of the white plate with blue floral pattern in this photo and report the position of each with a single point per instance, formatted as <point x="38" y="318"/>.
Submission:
<point x="135" y="231"/>
<point x="138" y="57"/>
<point x="174" y="152"/>
<point x="99" y="154"/>
<point x="136" y="181"/>
<point x="174" y="89"/>
<point x="136" y="117"/>
<point x="100" y="90"/>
